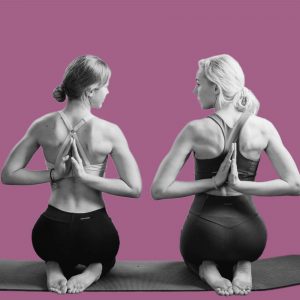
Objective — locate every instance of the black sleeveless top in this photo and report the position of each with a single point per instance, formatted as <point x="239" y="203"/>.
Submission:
<point x="207" y="168"/>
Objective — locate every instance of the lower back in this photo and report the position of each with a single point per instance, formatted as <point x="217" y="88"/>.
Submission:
<point x="72" y="196"/>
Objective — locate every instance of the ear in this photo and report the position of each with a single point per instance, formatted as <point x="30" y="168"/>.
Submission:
<point x="89" y="93"/>
<point x="216" y="90"/>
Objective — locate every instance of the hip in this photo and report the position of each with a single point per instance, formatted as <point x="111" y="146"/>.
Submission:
<point x="96" y="220"/>
<point x="223" y="209"/>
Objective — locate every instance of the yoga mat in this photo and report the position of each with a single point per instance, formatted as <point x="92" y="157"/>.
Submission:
<point x="270" y="273"/>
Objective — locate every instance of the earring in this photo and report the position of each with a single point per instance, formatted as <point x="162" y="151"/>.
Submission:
<point x="242" y="103"/>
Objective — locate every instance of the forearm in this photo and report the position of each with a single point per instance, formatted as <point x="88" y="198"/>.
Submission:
<point x="183" y="188"/>
<point x="110" y="185"/>
<point x="25" y="177"/>
<point x="276" y="187"/>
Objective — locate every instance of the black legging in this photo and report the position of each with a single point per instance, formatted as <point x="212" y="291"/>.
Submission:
<point x="76" y="238"/>
<point x="222" y="229"/>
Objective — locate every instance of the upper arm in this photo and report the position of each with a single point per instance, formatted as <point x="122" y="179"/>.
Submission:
<point x="22" y="152"/>
<point x="280" y="156"/>
<point x="125" y="162"/>
<point x="176" y="157"/>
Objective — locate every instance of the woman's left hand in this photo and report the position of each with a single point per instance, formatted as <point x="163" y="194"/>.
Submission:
<point x="233" y="177"/>
<point x="77" y="166"/>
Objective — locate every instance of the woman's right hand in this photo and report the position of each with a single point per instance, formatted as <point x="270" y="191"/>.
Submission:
<point x="62" y="164"/>
<point x="224" y="169"/>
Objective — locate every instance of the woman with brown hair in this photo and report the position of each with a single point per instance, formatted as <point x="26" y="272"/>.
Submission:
<point x="75" y="228"/>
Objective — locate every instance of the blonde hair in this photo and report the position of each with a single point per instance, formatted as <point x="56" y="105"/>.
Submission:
<point x="224" y="71"/>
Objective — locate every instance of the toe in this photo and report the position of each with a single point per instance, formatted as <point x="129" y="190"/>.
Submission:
<point x="76" y="289"/>
<point x="55" y="290"/>
<point x="235" y="290"/>
<point x="63" y="287"/>
<point x="222" y="292"/>
<point x="247" y="290"/>
<point x="230" y="290"/>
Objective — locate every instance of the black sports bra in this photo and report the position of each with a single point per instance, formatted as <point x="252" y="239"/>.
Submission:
<point x="207" y="168"/>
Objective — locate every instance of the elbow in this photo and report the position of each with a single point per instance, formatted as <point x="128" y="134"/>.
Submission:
<point x="157" y="192"/>
<point x="135" y="191"/>
<point x="5" y="178"/>
<point x="295" y="187"/>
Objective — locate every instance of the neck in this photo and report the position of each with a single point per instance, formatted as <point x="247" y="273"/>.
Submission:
<point x="229" y="114"/>
<point x="78" y="108"/>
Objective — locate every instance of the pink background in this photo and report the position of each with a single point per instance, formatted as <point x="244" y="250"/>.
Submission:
<point x="152" y="48"/>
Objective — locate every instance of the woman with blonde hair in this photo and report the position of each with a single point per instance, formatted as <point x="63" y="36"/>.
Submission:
<point x="75" y="228"/>
<point x="223" y="230"/>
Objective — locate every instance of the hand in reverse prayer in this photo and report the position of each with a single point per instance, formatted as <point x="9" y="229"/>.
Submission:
<point x="224" y="168"/>
<point x="62" y="164"/>
<point x="77" y="166"/>
<point x="233" y="178"/>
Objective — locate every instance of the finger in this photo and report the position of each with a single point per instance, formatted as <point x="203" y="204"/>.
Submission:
<point x="228" y="163"/>
<point x="232" y="148"/>
<point x="235" y="151"/>
<point x="67" y="148"/>
<point x="226" y="166"/>
<point x="65" y="158"/>
<point x="234" y="169"/>
<point x="228" y="155"/>
<point x="65" y="152"/>
<point x="75" y="151"/>
<point x="74" y="162"/>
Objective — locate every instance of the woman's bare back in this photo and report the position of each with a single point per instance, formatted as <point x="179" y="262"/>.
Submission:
<point x="96" y="140"/>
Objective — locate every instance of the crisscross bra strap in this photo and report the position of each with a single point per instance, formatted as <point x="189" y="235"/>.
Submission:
<point x="73" y="134"/>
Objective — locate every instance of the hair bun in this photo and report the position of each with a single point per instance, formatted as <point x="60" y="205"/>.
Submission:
<point x="59" y="94"/>
<point x="243" y="102"/>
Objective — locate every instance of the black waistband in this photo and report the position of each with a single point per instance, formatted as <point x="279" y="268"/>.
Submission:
<point x="205" y="204"/>
<point x="64" y="216"/>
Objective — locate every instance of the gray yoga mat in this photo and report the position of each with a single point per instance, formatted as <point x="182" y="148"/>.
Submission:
<point x="270" y="273"/>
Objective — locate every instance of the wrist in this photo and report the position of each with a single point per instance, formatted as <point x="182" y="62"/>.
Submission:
<point x="236" y="185"/>
<point x="214" y="182"/>
<point x="83" y="177"/>
<point x="53" y="175"/>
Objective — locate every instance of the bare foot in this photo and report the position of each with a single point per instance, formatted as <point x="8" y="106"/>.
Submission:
<point x="209" y="273"/>
<point x="242" y="278"/>
<point x="78" y="283"/>
<point x="56" y="281"/>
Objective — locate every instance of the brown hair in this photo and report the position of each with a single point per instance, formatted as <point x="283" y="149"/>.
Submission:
<point x="81" y="73"/>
